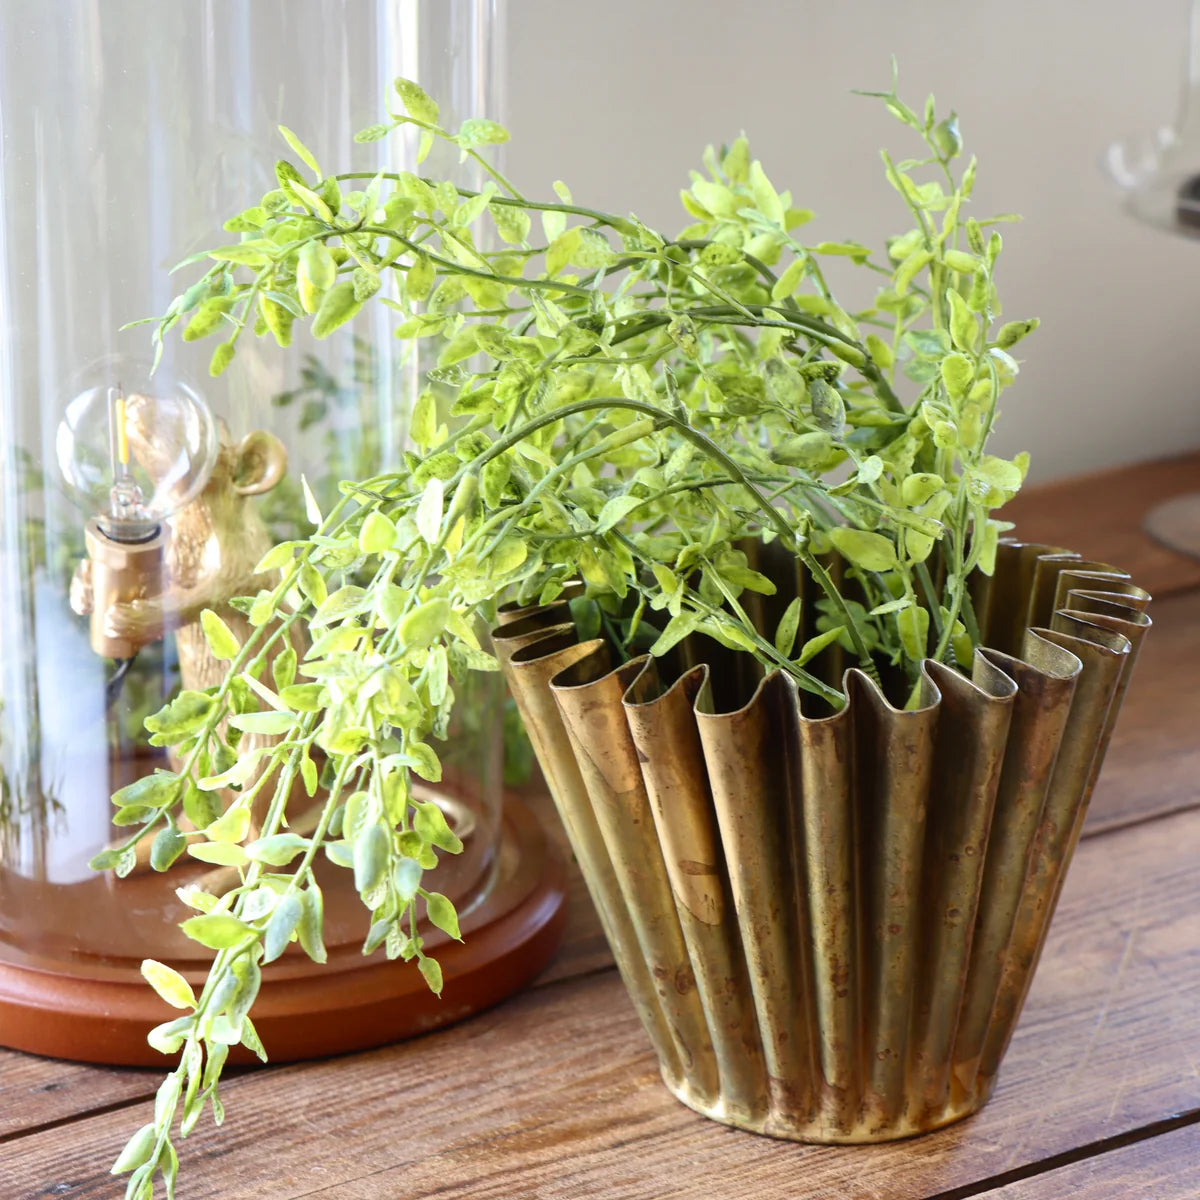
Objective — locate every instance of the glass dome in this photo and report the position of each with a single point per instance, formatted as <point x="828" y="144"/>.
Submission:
<point x="153" y="120"/>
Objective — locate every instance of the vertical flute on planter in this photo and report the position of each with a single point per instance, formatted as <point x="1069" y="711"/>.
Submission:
<point x="821" y="740"/>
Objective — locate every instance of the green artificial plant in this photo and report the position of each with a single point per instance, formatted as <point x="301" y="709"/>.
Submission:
<point x="609" y="404"/>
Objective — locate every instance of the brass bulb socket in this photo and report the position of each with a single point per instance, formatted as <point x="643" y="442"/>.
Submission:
<point x="122" y="574"/>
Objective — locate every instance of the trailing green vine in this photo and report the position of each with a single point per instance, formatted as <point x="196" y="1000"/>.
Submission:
<point x="609" y="404"/>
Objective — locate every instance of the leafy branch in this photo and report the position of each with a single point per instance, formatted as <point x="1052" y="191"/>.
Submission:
<point x="609" y="405"/>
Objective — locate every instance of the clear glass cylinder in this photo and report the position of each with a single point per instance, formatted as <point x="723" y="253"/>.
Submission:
<point x="129" y="128"/>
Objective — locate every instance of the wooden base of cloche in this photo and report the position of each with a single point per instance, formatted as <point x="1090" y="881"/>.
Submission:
<point x="100" y="1011"/>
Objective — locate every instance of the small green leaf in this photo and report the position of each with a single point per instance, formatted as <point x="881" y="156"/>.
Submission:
<point x="312" y="920"/>
<point x="312" y="509"/>
<point x="308" y="774"/>
<point x="958" y="260"/>
<point x="512" y="223"/>
<point x="235" y="775"/>
<point x="378" y="533"/>
<point x="169" y="984"/>
<point x="958" y="373"/>
<point x="424" y="761"/>
<point x="278" y="556"/>
<point x="870" y="551"/>
<point x="366" y="283"/>
<point x="167" y="846"/>
<point x="677" y="629"/>
<point x="441" y="913"/>
<point x="789" y="625"/>
<point x="1011" y="333"/>
<point x="803" y="450"/>
<point x="476" y="131"/>
<point x="277" y="850"/>
<point x="912" y="624"/>
<point x="430" y="823"/>
<point x="615" y="510"/>
<point x="432" y="972"/>
<point x="994" y="481"/>
<point x="252" y="1041"/>
<point x="345" y="602"/>
<point x="744" y="577"/>
<point x="169" y="1036"/>
<point x="918" y="488"/>
<point x="815" y="645"/>
<point x="283" y="669"/>
<point x="406" y="879"/>
<point x="221" y="854"/>
<point x="338" y="305"/>
<point x="222" y="356"/>
<point x="137" y="1150"/>
<point x="373" y="133"/>
<point x="790" y="280"/>
<point x="301" y="150"/>
<point x="766" y="198"/>
<point x="416" y="101"/>
<point x="425" y="623"/>
<point x="232" y="826"/>
<point x="371" y="849"/>
<point x="302" y="697"/>
<point x="964" y="328"/>
<point x="785" y="385"/>
<point x="158" y="790"/>
<point x="217" y="931"/>
<point x="281" y="925"/>
<point x="422" y="425"/>
<point x="430" y="509"/>
<point x="869" y="470"/>
<point x="828" y="408"/>
<point x="106" y="860"/>
<point x="907" y="271"/>
<point x="266" y="724"/>
<point x="184" y="715"/>
<point x="218" y="635"/>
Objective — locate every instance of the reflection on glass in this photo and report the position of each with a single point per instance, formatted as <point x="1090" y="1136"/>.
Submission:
<point x="129" y="502"/>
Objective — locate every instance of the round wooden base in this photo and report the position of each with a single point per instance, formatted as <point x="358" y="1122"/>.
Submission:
<point x="101" y="1012"/>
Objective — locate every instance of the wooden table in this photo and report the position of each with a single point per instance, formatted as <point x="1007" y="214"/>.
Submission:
<point x="555" y="1093"/>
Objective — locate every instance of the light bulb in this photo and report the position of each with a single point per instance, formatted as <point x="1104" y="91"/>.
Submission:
<point x="135" y="449"/>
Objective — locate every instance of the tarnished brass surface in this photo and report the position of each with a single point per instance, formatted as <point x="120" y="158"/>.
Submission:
<point x="829" y="921"/>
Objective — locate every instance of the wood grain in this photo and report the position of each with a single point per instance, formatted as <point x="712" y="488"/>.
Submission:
<point x="41" y="1091"/>
<point x="555" y="1094"/>
<point x="1160" y="1168"/>
<point x="1100" y="516"/>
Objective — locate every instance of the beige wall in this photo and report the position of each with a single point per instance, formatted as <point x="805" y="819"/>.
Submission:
<point x="619" y="99"/>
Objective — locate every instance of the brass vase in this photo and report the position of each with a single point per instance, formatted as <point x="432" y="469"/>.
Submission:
<point x="828" y="922"/>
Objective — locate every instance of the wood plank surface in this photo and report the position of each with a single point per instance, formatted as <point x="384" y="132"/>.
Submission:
<point x="555" y="1094"/>
<point x="1100" y="516"/>
<point x="1166" y="1167"/>
<point x="42" y="1091"/>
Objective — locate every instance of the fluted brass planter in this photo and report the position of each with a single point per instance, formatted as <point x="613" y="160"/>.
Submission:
<point x="828" y="923"/>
